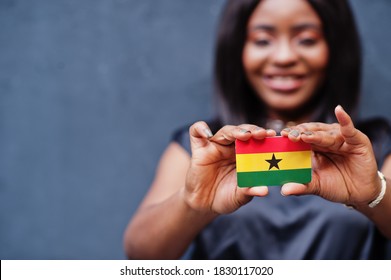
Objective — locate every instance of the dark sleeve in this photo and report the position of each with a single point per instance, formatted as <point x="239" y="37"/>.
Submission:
<point x="379" y="132"/>
<point x="182" y="137"/>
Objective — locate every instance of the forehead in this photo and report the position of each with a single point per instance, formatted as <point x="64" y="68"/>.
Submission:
<point x="284" y="12"/>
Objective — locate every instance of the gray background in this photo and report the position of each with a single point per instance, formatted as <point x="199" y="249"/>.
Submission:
<point x="90" y="92"/>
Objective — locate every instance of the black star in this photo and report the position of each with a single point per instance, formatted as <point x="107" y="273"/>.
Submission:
<point x="273" y="162"/>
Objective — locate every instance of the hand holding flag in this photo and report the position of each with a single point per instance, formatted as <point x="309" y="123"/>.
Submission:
<point x="211" y="184"/>
<point x="272" y="161"/>
<point x="344" y="168"/>
<point x="344" y="165"/>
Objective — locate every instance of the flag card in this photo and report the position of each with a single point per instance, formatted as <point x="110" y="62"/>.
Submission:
<point x="272" y="161"/>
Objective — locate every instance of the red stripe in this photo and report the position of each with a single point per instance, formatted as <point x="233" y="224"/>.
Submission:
<point x="270" y="145"/>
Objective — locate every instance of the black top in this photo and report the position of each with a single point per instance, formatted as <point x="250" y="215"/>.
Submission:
<point x="294" y="227"/>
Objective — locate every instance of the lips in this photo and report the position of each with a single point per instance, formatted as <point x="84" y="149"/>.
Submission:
<point x="284" y="83"/>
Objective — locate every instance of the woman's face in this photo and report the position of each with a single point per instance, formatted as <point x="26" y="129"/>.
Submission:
<point x="285" y="54"/>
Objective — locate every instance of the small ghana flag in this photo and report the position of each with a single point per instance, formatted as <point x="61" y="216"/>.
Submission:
<point x="272" y="161"/>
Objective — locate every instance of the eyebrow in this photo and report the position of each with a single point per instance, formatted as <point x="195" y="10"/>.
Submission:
<point x="264" y="27"/>
<point x="295" y="28"/>
<point x="305" y="26"/>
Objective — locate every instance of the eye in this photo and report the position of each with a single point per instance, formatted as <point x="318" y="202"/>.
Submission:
<point x="307" y="42"/>
<point x="262" y="42"/>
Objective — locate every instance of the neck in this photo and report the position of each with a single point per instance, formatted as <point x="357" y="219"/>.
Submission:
<point x="287" y="117"/>
<point x="279" y="120"/>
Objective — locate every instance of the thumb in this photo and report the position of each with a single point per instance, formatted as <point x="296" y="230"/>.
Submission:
<point x="299" y="189"/>
<point x="199" y="135"/>
<point x="348" y="131"/>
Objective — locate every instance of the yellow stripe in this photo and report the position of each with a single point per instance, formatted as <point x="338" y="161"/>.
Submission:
<point x="257" y="162"/>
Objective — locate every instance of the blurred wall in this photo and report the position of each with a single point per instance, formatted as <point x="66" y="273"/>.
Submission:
<point x="90" y="92"/>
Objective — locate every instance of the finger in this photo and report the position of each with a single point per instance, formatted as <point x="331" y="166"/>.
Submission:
<point x="318" y="134"/>
<point x="245" y="195"/>
<point x="199" y="134"/>
<point x="250" y="127"/>
<point x="256" y="191"/>
<point x="285" y="132"/>
<point x="299" y="128"/>
<point x="270" y="133"/>
<point x="316" y="126"/>
<point x="258" y="132"/>
<point x="308" y="127"/>
<point x="229" y="133"/>
<point x="294" y="133"/>
<point x="348" y="131"/>
<point x="331" y="139"/>
<point x="296" y="189"/>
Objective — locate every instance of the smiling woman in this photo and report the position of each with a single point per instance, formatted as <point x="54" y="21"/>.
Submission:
<point x="291" y="63"/>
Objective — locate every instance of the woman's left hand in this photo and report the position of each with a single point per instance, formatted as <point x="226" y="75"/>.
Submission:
<point x="344" y="168"/>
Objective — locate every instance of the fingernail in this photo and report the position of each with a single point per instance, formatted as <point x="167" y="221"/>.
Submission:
<point x="244" y="131"/>
<point x="208" y="132"/>
<point x="308" y="133"/>
<point x="340" y="107"/>
<point x="282" y="193"/>
<point x="294" y="133"/>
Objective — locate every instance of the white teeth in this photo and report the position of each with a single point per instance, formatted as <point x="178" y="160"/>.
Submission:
<point x="282" y="78"/>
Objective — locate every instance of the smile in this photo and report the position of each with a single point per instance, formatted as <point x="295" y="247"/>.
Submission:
<point x="284" y="83"/>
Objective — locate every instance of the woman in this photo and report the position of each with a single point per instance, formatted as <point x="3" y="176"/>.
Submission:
<point x="278" y="64"/>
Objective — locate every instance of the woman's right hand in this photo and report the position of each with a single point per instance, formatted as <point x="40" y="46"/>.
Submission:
<point x="211" y="184"/>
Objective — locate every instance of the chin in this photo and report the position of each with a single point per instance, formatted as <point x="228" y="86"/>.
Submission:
<point x="286" y="106"/>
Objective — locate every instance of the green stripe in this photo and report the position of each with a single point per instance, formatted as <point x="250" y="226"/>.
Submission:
<point x="274" y="177"/>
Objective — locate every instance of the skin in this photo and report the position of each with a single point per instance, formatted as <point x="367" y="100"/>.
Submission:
<point x="189" y="192"/>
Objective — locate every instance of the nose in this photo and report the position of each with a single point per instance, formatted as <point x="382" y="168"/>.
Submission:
<point x="284" y="54"/>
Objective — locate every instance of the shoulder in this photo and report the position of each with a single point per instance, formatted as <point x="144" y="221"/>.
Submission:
<point x="182" y="137"/>
<point x="378" y="131"/>
<point x="375" y="128"/>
